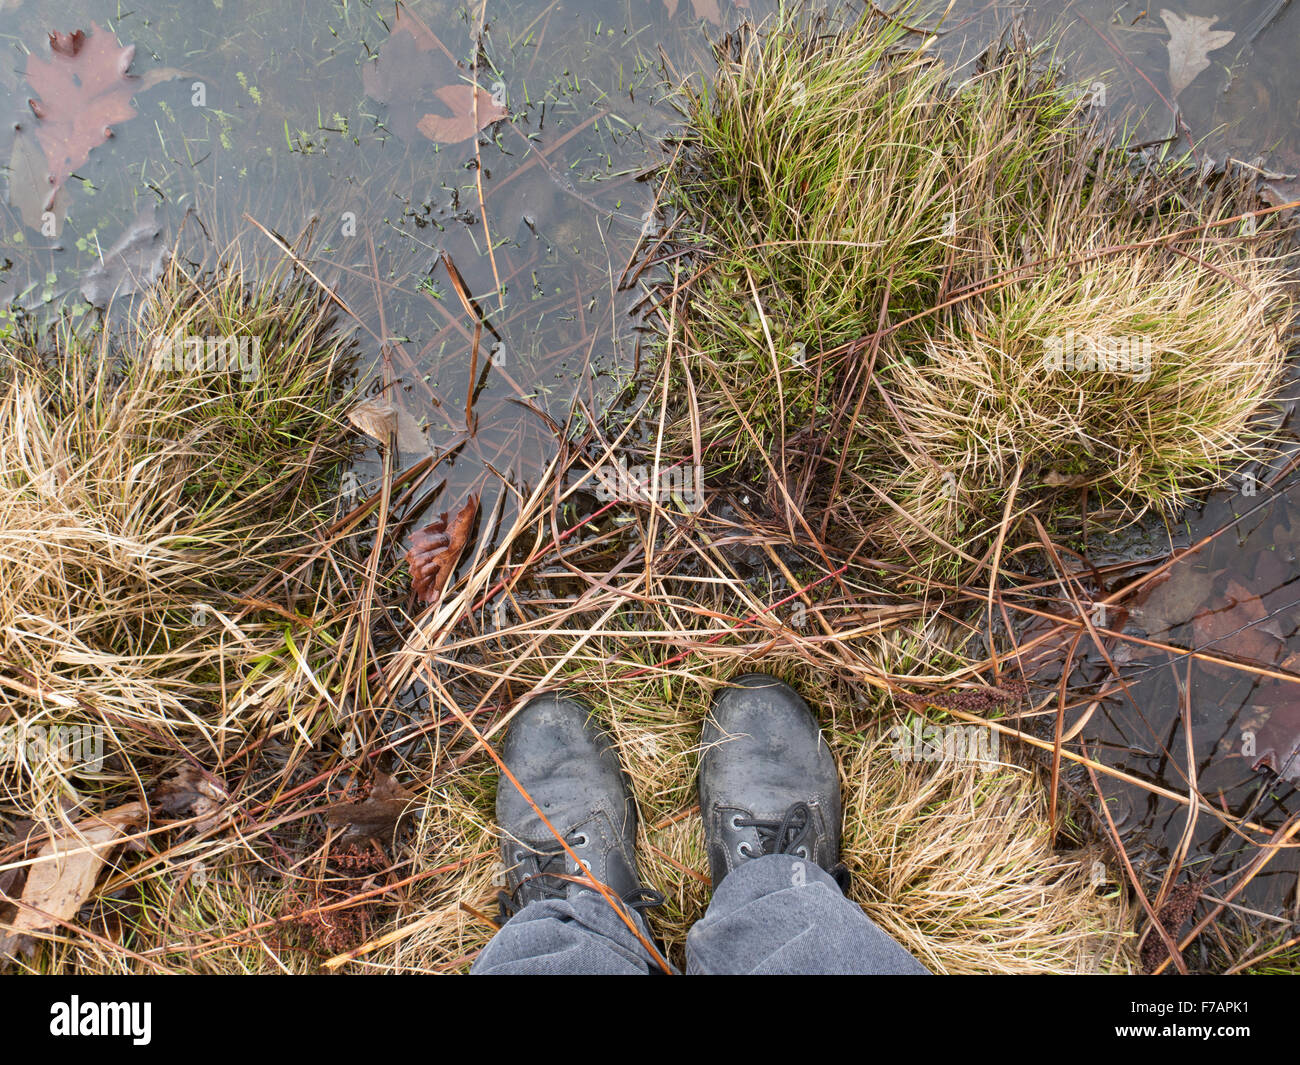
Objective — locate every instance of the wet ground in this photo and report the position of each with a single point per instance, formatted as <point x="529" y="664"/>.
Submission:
<point x="490" y="275"/>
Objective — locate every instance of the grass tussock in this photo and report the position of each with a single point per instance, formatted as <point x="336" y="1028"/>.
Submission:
<point x="925" y="300"/>
<point x="138" y="501"/>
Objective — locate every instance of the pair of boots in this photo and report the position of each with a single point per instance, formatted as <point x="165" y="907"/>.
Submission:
<point x="768" y="785"/>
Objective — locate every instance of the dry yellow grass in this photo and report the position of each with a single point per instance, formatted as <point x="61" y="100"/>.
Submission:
<point x="134" y="502"/>
<point x="952" y="860"/>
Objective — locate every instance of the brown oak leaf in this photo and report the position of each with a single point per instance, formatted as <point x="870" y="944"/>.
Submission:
<point x="81" y="92"/>
<point x="413" y="70"/>
<point x="436" y="549"/>
<point x="376" y="817"/>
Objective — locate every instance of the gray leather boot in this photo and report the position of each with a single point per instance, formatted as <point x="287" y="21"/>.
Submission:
<point x="768" y="781"/>
<point x="569" y="766"/>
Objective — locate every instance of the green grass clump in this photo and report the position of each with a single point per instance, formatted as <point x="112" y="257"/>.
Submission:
<point x="902" y="284"/>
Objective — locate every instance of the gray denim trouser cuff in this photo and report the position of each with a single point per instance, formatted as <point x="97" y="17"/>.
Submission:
<point x="775" y="915"/>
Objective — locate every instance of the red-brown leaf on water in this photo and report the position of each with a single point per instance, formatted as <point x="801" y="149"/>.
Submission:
<point x="705" y="9"/>
<point x="464" y="121"/>
<point x="1239" y="628"/>
<point x="436" y="549"/>
<point x="415" y="73"/>
<point x="81" y="92"/>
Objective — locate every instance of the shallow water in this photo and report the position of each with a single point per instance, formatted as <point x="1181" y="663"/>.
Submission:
<point x="286" y="136"/>
<point x="1207" y="700"/>
<point x="541" y="216"/>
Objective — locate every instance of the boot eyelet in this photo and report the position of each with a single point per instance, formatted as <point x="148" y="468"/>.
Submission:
<point x="581" y="840"/>
<point x="744" y="851"/>
<point x="734" y="818"/>
<point x="802" y="852"/>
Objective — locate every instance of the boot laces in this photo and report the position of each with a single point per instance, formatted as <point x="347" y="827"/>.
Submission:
<point x="790" y="835"/>
<point x="545" y="878"/>
<point x="793" y="834"/>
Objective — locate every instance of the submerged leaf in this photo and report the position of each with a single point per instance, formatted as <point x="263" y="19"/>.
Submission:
<point x="1239" y="628"/>
<point x="132" y="264"/>
<point x="705" y="9"/>
<point x="413" y="71"/>
<point x="409" y="69"/>
<point x="82" y="91"/>
<point x="1190" y="42"/>
<point x="1174" y="599"/>
<point x="464" y="121"/>
<point x="1277" y="740"/>
<point x="30" y="191"/>
<point x="381" y="419"/>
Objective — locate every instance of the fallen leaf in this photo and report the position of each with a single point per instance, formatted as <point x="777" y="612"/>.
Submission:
<point x="1277" y="584"/>
<point x="417" y="29"/>
<point x="30" y="192"/>
<point x="1277" y="740"/>
<point x="436" y="549"/>
<point x="376" y="817"/>
<point x="132" y="264"/>
<point x="190" y="793"/>
<point x="380" y="419"/>
<point x="705" y="9"/>
<point x="82" y="91"/>
<point x="464" y="121"/>
<point x="1239" y="629"/>
<point x="410" y="67"/>
<point x="58" y="887"/>
<point x="412" y="71"/>
<point x="1190" y="42"/>
<point x="1174" y="599"/>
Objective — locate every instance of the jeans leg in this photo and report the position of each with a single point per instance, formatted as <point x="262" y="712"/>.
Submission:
<point x="566" y="937"/>
<point x="781" y="915"/>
